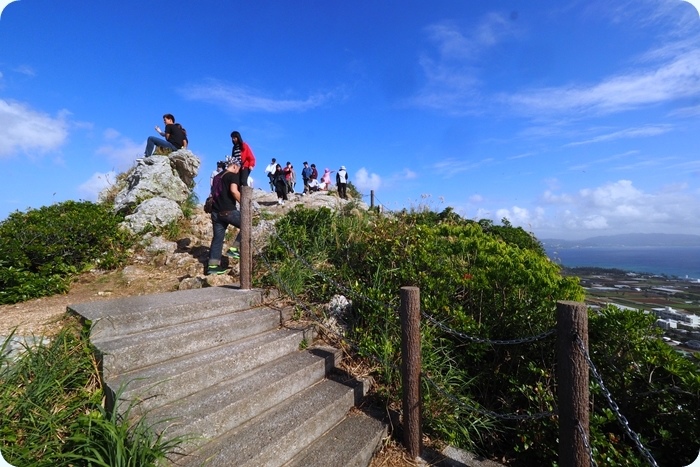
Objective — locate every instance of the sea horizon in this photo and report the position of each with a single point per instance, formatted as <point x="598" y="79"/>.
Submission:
<point x="680" y="261"/>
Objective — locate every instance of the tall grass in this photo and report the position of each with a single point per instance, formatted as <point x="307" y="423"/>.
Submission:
<point x="52" y="413"/>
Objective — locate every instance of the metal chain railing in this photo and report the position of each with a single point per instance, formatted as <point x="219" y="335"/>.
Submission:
<point x="445" y="393"/>
<point x="480" y="340"/>
<point x="613" y="405"/>
<point x="586" y="444"/>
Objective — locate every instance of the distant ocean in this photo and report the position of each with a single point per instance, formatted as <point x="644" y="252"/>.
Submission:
<point x="672" y="261"/>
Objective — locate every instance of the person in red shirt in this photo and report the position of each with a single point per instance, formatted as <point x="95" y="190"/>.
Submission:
<point x="242" y="154"/>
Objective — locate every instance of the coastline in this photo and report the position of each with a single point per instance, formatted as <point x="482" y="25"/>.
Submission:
<point x="682" y="262"/>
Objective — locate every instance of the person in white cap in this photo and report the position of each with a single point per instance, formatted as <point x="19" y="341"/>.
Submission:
<point x="341" y="179"/>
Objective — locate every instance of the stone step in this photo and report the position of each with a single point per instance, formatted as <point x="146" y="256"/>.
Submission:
<point x="124" y="316"/>
<point x="162" y="383"/>
<point x="139" y="350"/>
<point x="277" y="435"/>
<point x="222" y="407"/>
<point x="351" y="443"/>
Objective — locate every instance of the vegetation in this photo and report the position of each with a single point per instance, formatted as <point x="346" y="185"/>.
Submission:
<point x="51" y="411"/>
<point x="42" y="249"/>
<point x="492" y="282"/>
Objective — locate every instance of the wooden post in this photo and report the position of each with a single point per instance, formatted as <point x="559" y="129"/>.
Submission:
<point x="410" y="369"/>
<point x="371" y="199"/>
<point x="572" y="384"/>
<point x="246" y="261"/>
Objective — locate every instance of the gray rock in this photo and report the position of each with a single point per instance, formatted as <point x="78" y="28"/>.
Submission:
<point x="186" y="165"/>
<point x="153" y="177"/>
<point x="157" y="212"/>
<point x="189" y="283"/>
<point x="153" y="244"/>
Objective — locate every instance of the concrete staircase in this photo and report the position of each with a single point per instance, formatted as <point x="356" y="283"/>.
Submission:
<point x="220" y="367"/>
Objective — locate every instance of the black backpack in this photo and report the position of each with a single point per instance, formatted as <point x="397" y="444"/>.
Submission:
<point x="217" y="188"/>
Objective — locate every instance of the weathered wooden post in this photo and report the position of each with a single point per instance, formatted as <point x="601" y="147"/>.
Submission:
<point x="246" y="261"/>
<point x="572" y="384"/>
<point x="371" y="199"/>
<point x="411" y="369"/>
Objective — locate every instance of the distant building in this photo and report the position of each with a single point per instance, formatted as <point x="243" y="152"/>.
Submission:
<point x="684" y="320"/>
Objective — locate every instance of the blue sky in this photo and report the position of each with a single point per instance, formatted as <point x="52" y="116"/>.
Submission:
<point x="570" y="118"/>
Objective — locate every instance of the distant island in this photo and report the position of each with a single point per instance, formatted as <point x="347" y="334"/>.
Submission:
<point x="626" y="240"/>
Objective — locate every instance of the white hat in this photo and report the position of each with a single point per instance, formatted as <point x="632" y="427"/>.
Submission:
<point x="342" y="167"/>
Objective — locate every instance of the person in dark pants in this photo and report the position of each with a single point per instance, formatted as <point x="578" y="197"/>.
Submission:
<point x="224" y="213"/>
<point x="175" y="137"/>
<point x="341" y="179"/>
<point x="243" y="155"/>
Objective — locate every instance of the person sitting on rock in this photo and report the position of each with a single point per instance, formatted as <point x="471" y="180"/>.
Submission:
<point x="174" y="136"/>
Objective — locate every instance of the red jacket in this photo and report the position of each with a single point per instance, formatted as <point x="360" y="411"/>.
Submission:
<point x="247" y="157"/>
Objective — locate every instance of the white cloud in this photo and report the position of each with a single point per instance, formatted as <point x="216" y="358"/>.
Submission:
<point x="364" y="181"/>
<point x="615" y="207"/>
<point x="241" y="98"/>
<point x="90" y="189"/>
<point x="120" y="152"/>
<point x="23" y="129"/>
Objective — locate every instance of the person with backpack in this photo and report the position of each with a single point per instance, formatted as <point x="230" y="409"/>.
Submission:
<point x="224" y="212"/>
<point x="243" y="155"/>
<point x="280" y="180"/>
<point x="175" y="137"/>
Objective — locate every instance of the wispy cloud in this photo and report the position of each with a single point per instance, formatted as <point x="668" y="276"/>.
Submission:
<point x="244" y="99"/>
<point x="450" y="167"/>
<point x="23" y="129"/>
<point x="451" y="72"/>
<point x="669" y="81"/>
<point x="639" y="132"/>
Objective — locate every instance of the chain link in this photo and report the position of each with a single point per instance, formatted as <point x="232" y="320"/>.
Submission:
<point x="589" y="450"/>
<point x="620" y="418"/>
<point x="480" y="340"/>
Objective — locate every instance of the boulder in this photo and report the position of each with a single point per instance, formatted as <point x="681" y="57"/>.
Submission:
<point x="186" y="165"/>
<point x="155" y="176"/>
<point x="156" y="212"/>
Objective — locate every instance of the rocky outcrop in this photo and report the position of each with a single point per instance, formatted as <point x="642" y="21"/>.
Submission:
<point x="154" y="190"/>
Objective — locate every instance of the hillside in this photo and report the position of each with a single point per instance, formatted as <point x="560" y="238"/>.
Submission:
<point x="160" y="265"/>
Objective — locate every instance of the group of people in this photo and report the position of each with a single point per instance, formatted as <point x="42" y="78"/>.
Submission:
<point x="233" y="173"/>
<point x="283" y="180"/>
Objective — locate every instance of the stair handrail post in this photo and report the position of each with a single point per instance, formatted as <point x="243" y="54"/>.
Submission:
<point x="411" y="369"/>
<point x="246" y="260"/>
<point x="572" y="384"/>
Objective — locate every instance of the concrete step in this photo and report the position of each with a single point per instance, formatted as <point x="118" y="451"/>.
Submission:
<point x="277" y="435"/>
<point x="139" y="350"/>
<point x="224" y="406"/>
<point x="351" y="443"/>
<point x="124" y="316"/>
<point x="162" y="383"/>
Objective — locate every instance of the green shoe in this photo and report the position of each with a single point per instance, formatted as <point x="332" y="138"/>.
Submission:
<point x="234" y="253"/>
<point x="218" y="270"/>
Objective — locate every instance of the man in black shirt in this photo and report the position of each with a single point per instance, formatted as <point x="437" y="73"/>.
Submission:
<point x="224" y="213"/>
<point x="174" y="136"/>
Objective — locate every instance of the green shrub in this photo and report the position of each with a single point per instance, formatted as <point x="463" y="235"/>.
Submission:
<point x="492" y="282"/>
<point x="41" y="249"/>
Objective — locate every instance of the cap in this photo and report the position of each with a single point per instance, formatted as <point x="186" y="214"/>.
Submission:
<point x="342" y="167"/>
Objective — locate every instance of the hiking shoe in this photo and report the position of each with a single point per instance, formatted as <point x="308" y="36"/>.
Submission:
<point x="217" y="270"/>
<point x="233" y="252"/>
